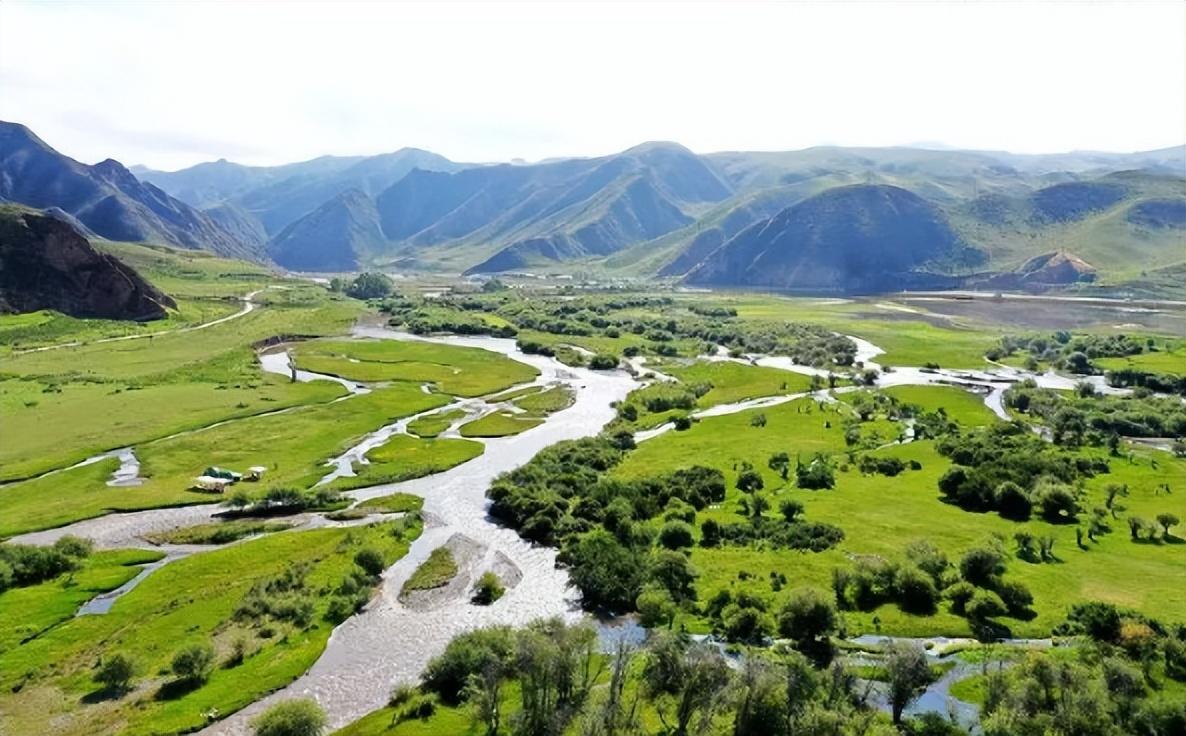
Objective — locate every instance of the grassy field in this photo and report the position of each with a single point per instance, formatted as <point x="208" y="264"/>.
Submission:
<point x="404" y="457"/>
<point x="395" y="503"/>
<point x="51" y="425"/>
<point x="293" y="446"/>
<point x="219" y="532"/>
<point x="499" y="424"/>
<point x="1170" y="358"/>
<point x="453" y="370"/>
<point x="433" y="424"/>
<point x="31" y="611"/>
<point x="536" y="404"/>
<point x="46" y="682"/>
<point x="880" y="515"/>
<point x="962" y="406"/>
<point x="732" y="382"/>
<point x="435" y="572"/>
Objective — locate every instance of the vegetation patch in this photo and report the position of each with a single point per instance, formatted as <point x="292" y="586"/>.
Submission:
<point x="435" y="572"/>
<point x="221" y="532"/>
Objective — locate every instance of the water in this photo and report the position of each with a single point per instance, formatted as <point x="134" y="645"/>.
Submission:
<point x="389" y="642"/>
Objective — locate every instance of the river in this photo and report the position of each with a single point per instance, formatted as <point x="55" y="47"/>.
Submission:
<point x="390" y="642"/>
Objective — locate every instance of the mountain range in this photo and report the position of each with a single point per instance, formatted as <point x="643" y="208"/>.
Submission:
<point x="825" y="218"/>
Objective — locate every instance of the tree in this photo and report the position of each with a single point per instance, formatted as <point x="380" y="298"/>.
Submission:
<point x="981" y="566"/>
<point x="291" y="718"/>
<point x="483" y="691"/>
<point x="808" y="619"/>
<point x="749" y="480"/>
<point x="608" y="573"/>
<point x="790" y="509"/>
<point x="193" y="663"/>
<point x="1167" y="521"/>
<point x="115" y="672"/>
<point x="780" y="463"/>
<point x="369" y="285"/>
<point x="655" y="606"/>
<point x="673" y="571"/>
<point x="676" y="535"/>
<point x="915" y="589"/>
<point x="687" y="684"/>
<point x="908" y="672"/>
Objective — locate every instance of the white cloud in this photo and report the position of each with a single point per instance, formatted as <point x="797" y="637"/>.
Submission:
<point x="170" y="84"/>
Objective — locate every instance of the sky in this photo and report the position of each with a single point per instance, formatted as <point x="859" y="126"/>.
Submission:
<point x="170" y="84"/>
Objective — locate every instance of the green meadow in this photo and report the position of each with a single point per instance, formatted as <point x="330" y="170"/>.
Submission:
<point x="881" y="515"/>
<point x="190" y="601"/>
<point x="452" y="370"/>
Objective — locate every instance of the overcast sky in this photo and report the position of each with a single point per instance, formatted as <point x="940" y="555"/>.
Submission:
<point x="170" y="84"/>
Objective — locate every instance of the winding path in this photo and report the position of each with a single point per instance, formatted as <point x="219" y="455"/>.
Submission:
<point x="248" y="306"/>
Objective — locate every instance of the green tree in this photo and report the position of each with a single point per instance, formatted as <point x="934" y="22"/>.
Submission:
<point x="780" y="463"/>
<point x="808" y="619"/>
<point x="908" y="672"/>
<point x="370" y="285"/>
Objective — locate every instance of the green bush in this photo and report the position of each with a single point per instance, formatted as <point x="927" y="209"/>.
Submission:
<point x="291" y="718"/>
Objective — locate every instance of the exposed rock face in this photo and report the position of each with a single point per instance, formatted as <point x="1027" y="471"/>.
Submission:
<point x="46" y="264"/>
<point x="105" y="197"/>
<point x="1049" y="270"/>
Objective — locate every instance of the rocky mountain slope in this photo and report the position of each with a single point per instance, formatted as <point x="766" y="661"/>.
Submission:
<point x="105" y="197"/>
<point x="46" y="264"/>
<point x="340" y="235"/>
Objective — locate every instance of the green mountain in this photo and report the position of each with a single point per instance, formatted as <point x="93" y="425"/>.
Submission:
<point x="340" y="235"/>
<point x="864" y="237"/>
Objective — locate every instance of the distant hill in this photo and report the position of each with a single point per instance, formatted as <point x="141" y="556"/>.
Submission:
<point x="340" y="235"/>
<point x="241" y="224"/>
<point x="500" y="217"/>
<point x="46" y="264"/>
<point x="105" y="197"/>
<point x="855" y="238"/>
<point x="279" y="195"/>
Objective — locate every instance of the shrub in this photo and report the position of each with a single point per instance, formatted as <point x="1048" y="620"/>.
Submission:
<point x="193" y="663"/>
<point x="603" y="362"/>
<point x="291" y="718"/>
<point x="371" y="561"/>
<point x="986" y="604"/>
<point x="115" y="672"/>
<point x="489" y="588"/>
<point x="1013" y="502"/>
<point x="960" y="594"/>
<point x="655" y="606"/>
<point x="981" y="566"/>
<point x="1016" y="597"/>
<point x="916" y="590"/>
<point x="467" y="655"/>
<point x="676" y="535"/>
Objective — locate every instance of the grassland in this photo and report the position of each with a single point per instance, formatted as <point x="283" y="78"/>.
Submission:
<point x="1170" y="358"/>
<point x="533" y="404"/>
<point x="732" y="382"/>
<point x="431" y="425"/>
<point x="393" y="504"/>
<point x="404" y="457"/>
<point x="452" y="370"/>
<point x="435" y="572"/>
<point x="189" y="601"/>
<point x="293" y="446"/>
<point x="880" y="515"/>
<point x="219" y="532"/>
<point x="29" y="612"/>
